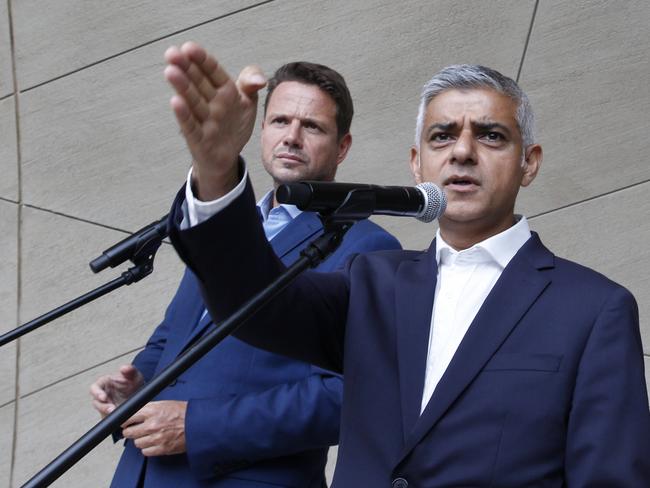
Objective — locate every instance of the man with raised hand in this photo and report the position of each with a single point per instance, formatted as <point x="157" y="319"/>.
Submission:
<point x="485" y="360"/>
<point x="242" y="416"/>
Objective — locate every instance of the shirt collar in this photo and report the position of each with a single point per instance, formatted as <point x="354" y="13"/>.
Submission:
<point x="501" y="248"/>
<point x="266" y="207"/>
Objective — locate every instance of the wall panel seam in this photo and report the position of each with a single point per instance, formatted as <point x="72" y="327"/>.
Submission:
<point x="85" y="370"/>
<point x="6" y="404"/>
<point x="585" y="200"/>
<point x="148" y="43"/>
<point x="12" y="48"/>
<point x="530" y="30"/>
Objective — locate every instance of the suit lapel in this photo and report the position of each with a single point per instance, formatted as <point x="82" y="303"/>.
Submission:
<point x="294" y="234"/>
<point x="415" y="283"/>
<point x="516" y="290"/>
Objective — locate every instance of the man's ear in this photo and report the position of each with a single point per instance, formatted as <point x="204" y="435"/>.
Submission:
<point x="344" y="147"/>
<point x="533" y="161"/>
<point x="415" y="165"/>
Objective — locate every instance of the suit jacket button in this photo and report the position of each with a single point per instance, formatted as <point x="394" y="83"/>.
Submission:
<point x="400" y="483"/>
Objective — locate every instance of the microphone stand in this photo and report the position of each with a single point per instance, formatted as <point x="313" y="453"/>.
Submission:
<point x="358" y="205"/>
<point x="140" y="248"/>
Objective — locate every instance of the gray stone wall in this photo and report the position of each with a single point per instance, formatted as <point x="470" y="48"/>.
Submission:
<point x="89" y="152"/>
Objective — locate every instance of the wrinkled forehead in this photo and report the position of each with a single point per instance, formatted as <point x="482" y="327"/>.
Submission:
<point x="301" y="99"/>
<point x="466" y="106"/>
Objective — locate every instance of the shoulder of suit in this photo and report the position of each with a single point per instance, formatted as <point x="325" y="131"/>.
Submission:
<point x="583" y="278"/>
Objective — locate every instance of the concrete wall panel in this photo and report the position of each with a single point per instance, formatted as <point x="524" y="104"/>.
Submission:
<point x="52" y="419"/>
<point x="586" y="71"/>
<point x="107" y="131"/>
<point x="610" y="235"/>
<point x="8" y="373"/>
<point x="6" y="77"/>
<point x="8" y="297"/>
<point x="71" y="34"/>
<point x="6" y="442"/>
<point x="8" y="150"/>
<point x="55" y="255"/>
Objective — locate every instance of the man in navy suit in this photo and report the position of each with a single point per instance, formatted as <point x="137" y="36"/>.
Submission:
<point x="243" y="416"/>
<point x="483" y="361"/>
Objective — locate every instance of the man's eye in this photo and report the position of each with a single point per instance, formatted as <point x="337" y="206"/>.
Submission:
<point x="311" y="126"/>
<point x="440" y="137"/>
<point x="493" y="136"/>
<point x="280" y="121"/>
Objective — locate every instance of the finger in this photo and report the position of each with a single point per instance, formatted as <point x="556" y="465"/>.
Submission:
<point x="137" y="418"/>
<point x="144" y="442"/>
<point x="103" y="408"/>
<point x="201" y="82"/>
<point x="98" y="393"/>
<point x="206" y="63"/>
<point x="152" y="451"/>
<point x="128" y="371"/>
<point x="173" y="55"/>
<point x="250" y="81"/>
<point x="188" y="91"/>
<point x="189" y="125"/>
<point x="136" y="431"/>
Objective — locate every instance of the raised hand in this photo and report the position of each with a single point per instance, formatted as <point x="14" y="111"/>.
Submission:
<point x="158" y="428"/>
<point x="216" y="114"/>
<point x="111" y="390"/>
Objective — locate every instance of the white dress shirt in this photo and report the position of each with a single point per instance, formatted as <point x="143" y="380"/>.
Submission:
<point x="465" y="279"/>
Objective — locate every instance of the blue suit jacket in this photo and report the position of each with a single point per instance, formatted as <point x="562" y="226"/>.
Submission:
<point x="254" y="418"/>
<point x="546" y="389"/>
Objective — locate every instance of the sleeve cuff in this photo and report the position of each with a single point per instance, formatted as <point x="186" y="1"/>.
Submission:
<point x="195" y="211"/>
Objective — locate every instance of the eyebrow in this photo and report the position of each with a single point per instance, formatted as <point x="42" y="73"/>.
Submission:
<point x="443" y="126"/>
<point x="481" y="126"/>
<point x="488" y="126"/>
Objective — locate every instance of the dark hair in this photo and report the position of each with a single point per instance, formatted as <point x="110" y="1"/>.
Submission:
<point x="324" y="78"/>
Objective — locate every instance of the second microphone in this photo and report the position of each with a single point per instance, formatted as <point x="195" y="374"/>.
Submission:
<point x="426" y="201"/>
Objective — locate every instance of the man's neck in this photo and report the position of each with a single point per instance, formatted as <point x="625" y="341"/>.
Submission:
<point x="460" y="235"/>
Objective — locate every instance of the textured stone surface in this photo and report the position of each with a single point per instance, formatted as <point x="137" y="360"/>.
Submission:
<point x="8" y="297"/>
<point x="586" y="71"/>
<point x="6" y="82"/>
<point x="6" y="442"/>
<point x="8" y="150"/>
<point x="51" y="42"/>
<point x="55" y="255"/>
<point x="8" y="373"/>
<point x="609" y="234"/>
<point x="52" y="419"/>
<point x="94" y="138"/>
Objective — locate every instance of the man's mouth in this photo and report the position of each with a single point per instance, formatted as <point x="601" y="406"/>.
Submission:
<point x="460" y="182"/>
<point x="289" y="157"/>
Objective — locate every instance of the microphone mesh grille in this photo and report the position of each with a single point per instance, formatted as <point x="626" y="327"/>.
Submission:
<point x="436" y="202"/>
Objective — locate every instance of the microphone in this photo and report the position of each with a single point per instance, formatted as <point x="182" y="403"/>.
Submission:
<point x="426" y="202"/>
<point x="129" y="247"/>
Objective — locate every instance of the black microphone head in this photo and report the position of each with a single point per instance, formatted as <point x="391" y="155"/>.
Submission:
<point x="298" y="194"/>
<point x="436" y="202"/>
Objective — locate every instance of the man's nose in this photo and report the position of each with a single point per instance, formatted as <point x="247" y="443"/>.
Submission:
<point x="293" y="134"/>
<point x="463" y="151"/>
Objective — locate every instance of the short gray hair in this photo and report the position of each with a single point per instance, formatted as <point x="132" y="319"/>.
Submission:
<point x="474" y="76"/>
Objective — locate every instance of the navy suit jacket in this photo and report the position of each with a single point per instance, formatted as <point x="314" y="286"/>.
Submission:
<point x="546" y="388"/>
<point x="254" y="418"/>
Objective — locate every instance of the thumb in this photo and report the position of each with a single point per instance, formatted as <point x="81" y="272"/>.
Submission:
<point x="129" y="371"/>
<point x="250" y="81"/>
